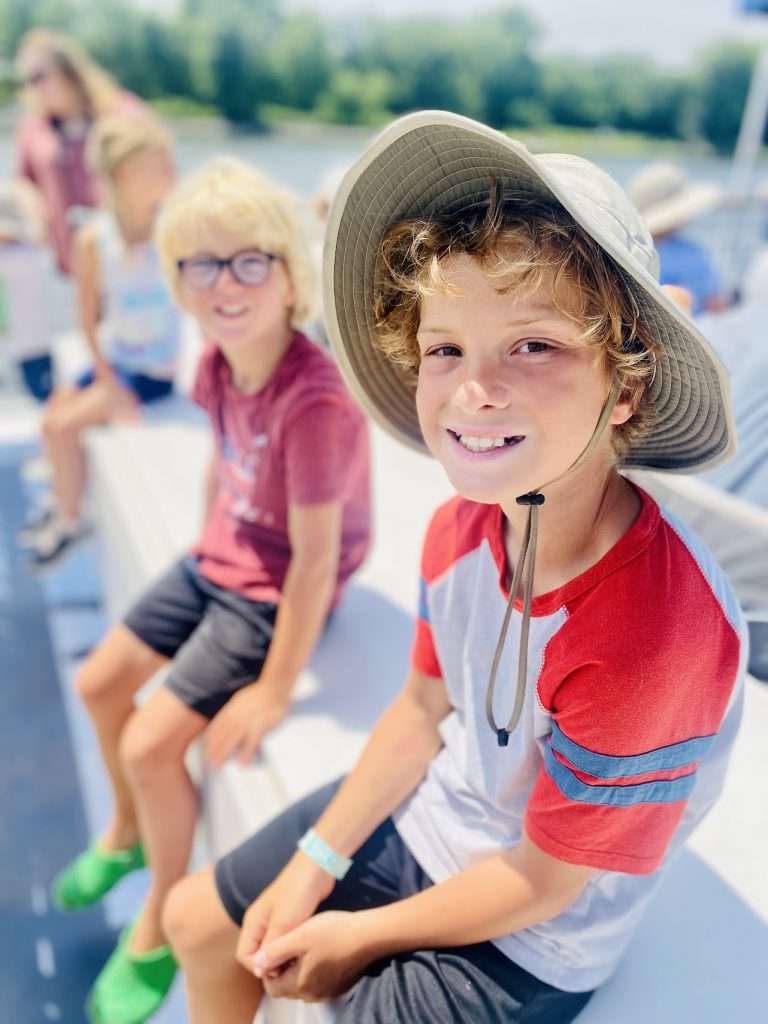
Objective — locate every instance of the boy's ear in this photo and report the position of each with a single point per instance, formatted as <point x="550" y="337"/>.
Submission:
<point x="180" y="294"/>
<point x="625" y="408"/>
<point x="290" y="294"/>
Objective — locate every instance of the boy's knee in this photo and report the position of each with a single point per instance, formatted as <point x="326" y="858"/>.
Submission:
<point x="94" y="687"/>
<point x="50" y="423"/>
<point x="188" y="930"/>
<point x="141" y="752"/>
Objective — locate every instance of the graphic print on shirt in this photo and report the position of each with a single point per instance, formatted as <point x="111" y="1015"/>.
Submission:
<point x="239" y="471"/>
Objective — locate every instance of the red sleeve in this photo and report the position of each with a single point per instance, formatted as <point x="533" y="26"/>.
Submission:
<point x="631" y="721"/>
<point x="203" y="386"/>
<point x="424" y="657"/>
<point x="323" y="446"/>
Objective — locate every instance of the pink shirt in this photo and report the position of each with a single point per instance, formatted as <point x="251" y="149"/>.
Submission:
<point x="300" y="440"/>
<point x="55" y="164"/>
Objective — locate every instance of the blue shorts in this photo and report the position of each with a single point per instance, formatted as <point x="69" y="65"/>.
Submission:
<point x="146" y="389"/>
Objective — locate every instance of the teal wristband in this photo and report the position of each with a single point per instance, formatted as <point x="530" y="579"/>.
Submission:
<point x="324" y="856"/>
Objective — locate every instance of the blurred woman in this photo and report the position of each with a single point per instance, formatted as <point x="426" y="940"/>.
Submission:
<point x="65" y="92"/>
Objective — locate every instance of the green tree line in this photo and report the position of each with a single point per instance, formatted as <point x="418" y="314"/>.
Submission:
<point x="242" y="58"/>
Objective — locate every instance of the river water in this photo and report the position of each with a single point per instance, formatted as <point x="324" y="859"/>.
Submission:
<point x="302" y="158"/>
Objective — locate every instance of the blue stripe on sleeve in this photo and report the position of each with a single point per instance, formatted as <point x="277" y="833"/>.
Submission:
<point x="423" y="606"/>
<point x="660" y="792"/>
<point x="606" y="766"/>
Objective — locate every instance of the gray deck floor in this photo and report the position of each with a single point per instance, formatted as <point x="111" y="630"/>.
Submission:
<point x="54" y="795"/>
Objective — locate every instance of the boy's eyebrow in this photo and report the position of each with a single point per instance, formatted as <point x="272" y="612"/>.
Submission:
<point x="549" y="313"/>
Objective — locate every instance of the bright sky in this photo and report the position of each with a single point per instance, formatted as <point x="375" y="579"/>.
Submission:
<point x="671" y="31"/>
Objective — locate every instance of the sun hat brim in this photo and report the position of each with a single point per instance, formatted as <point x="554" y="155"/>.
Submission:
<point x="436" y="163"/>
<point x="691" y="202"/>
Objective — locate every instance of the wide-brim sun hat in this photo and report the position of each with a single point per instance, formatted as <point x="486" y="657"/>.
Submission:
<point x="438" y="164"/>
<point x="666" y="198"/>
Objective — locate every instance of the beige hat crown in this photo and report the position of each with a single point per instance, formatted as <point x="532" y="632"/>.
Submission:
<point x="439" y="164"/>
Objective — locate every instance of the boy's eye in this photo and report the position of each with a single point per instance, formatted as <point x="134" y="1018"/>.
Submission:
<point x="445" y="350"/>
<point x="534" y="346"/>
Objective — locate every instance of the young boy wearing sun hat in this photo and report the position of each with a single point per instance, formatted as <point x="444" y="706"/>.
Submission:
<point x="577" y="666"/>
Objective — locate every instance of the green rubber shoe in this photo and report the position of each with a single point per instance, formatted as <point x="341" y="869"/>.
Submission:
<point x="131" y="988"/>
<point x="91" y="875"/>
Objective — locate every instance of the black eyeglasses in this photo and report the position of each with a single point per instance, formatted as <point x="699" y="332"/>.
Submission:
<point x="250" y="267"/>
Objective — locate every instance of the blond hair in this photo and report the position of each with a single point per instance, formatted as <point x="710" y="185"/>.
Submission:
<point x="98" y="91"/>
<point x="227" y="197"/>
<point x="521" y="242"/>
<point x="116" y="137"/>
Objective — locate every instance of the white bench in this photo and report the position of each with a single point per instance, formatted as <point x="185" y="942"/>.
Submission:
<point x="699" y="953"/>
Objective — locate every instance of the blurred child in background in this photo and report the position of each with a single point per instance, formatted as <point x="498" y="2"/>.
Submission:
<point x="238" y="616"/>
<point x="127" y="315"/>
<point x="26" y="273"/>
<point x="668" y="202"/>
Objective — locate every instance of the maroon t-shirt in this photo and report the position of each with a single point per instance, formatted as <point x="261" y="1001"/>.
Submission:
<point x="300" y="440"/>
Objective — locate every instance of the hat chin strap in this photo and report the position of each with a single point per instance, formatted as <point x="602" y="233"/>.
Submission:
<point x="522" y="580"/>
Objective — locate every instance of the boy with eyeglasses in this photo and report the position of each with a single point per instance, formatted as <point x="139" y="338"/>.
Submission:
<point x="287" y="523"/>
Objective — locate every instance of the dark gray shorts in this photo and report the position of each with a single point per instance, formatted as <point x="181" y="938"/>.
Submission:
<point x="218" y="640"/>
<point x="476" y="983"/>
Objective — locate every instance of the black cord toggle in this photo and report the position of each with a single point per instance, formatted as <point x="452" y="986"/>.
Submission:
<point x="532" y="498"/>
<point x="502" y="736"/>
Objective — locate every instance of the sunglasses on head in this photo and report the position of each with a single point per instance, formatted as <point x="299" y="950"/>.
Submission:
<point x="34" y="78"/>
<point x="249" y="267"/>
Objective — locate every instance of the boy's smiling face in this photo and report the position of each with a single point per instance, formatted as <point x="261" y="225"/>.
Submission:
<point x="235" y="315"/>
<point x="508" y="393"/>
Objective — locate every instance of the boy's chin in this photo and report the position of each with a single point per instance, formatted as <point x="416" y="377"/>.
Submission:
<point x="484" y="493"/>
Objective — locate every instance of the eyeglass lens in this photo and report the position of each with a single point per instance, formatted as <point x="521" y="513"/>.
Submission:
<point x="249" y="268"/>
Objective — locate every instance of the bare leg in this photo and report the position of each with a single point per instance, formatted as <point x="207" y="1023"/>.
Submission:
<point x="65" y="418"/>
<point x="107" y="683"/>
<point x="204" y="939"/>
<point x="152" y="751"/>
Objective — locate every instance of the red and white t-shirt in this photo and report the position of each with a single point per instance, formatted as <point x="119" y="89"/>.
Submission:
<point x="300" y="440"/>
<point x="633" y="700"/>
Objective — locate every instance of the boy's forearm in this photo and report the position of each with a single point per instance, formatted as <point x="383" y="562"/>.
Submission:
<point x="393" y="763"/>
<point x="485" y="901"/>
<point x="304" y="603"/>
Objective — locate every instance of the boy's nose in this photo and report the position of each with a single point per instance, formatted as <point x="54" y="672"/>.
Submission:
<point x="227" y="283"/>
<point x="480" y="389"/>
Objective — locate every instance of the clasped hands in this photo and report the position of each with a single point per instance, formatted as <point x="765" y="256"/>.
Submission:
<point x="297" y="955"/>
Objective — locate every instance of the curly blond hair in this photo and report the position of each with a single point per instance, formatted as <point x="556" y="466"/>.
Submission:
<point x="520" y="241"/>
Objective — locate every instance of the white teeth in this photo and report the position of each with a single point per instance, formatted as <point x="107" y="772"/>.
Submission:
<point x="232" y="310"/>
<point x="480" y="444"/>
